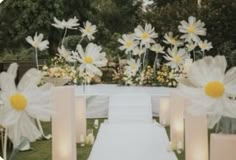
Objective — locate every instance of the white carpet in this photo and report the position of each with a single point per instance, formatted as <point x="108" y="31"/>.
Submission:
<point x="130" y="133"/>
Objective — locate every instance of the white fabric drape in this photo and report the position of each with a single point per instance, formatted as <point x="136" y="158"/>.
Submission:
<point x="98" y="97"/>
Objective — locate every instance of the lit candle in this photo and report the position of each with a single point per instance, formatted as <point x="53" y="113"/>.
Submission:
<point x="179" y="147"/>
<point x="91" y="139"/>
<point x="165" y="111"/>
<point x="82" y="140"/>
<point x="87" y="140"/>
<point x="96" y="124"/>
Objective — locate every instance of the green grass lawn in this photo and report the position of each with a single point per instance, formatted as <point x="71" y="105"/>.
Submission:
<point x="41" y="150"/>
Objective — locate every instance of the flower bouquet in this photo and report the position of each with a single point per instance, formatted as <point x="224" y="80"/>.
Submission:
<point x="146" y="55"/>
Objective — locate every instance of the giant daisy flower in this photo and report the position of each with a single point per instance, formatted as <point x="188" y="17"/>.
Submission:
<point x="37" y="42"/>
<point x="91" y="59"/>
<point x="71" y="23"/>
<point x="171" y="39"/>
<point x="176" y="57"/>
<point x="209" y="88"/>
<point x="88" y="30"/>
<point x="205" y="45"/>
<point x="132" y="67"/>
<point x="66" y="54"/>
<point x="146" y="35"/>
<point x="192" y="29"/>
<point x="23" y="103"/>
<point x="128" y="43"/>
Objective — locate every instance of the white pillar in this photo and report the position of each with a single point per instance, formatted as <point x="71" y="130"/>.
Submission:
<point x="177" y="109"/>
<point x="196" y="137"/>
<point x="81" y="123"/>
<point x="223" y="147"/>
<point x="63" y="124"/>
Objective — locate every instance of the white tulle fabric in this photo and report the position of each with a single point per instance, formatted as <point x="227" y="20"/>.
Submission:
<point x="98" y="97"/>
<point x="130" y="108"/>
<point x="21" y="123"/>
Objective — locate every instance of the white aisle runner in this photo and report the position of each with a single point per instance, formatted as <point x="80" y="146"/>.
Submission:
<point x="130" y="133"/>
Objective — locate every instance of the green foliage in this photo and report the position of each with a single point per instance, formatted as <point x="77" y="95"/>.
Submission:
<point x="229" y="50"/>
<point x="19" y="19"/>
<point x="219" y="17"/>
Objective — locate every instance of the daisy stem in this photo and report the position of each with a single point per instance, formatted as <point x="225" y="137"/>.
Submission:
<point x="36" y="58"/>
<point x="203" y="54"/>
<point x="81" y="40"/>
<point x="64" y="36"/>
<point x="41" y="129"/>
<point x="154" y="64"/>
<point x="144" y="57"/>
<point x="5" y="145"/>
<point x="194" y="55"/>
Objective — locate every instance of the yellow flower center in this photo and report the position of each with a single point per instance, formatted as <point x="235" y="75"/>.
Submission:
<point x="129" y="43"/>
<point x="214" y="89"/>
<point x="18" y="101"/>
<point x="191" y="29"/>
<point x="88" y="59"/>
<point x="203" y="45"/>
<point x="177" y="58"/>
<point x="133" y="66"/>
<point x="173" y="41"/>
<point x="88" y="29"/>
<point x="145" y="35"/>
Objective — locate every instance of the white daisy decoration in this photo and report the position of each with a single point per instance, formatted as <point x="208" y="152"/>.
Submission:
<point x="146" y="35"/>
<point x="67" y="55"/>
<point x="91" y="59"/>
<point x="138" y="51"/>
<point x="191" y="46"/>
<point x="128" y="43"/>
<point x="23" y="104"/>
<point x="88" y="30"/>
<point x="71" y="23"/>
<point x="37" y="42"/>
<point x="176" y="57"/>
<point x="192" y="29"/>
<point x="209" y="86"/>
<point x="132" y="67"/>
<point x="205" y="45"/>
<point x="157" y="48"/>
<point x="172" y="40"/>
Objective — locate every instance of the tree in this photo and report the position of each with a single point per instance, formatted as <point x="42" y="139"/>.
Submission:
<point x="19" y="19"/>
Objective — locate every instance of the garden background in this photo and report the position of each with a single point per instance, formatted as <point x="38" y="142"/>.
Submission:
<point x="20" y="18"/>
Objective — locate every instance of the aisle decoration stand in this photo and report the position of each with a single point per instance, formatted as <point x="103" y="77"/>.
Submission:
<point x="210" y="89"/>
<point x="196" y="137"/>
<point x="63" y="124"/>
<point x="165" y="111"/>
<point x="21" y="106"/>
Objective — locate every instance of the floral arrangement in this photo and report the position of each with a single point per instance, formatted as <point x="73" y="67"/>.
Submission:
<point x="79" y="65"/>
<point x="176" y="52"/>
<point x="58" y="68"/>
